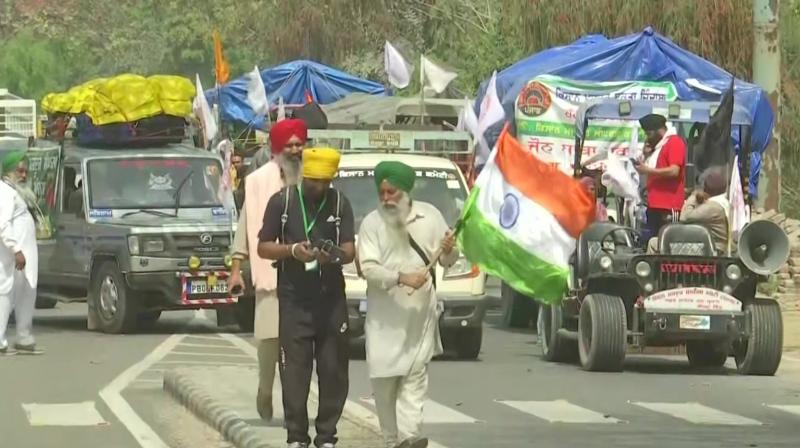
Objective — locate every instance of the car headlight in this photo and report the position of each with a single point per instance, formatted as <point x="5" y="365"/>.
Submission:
<point x="461" y="269"/>
<point x="733" y="272"/>
<point x="154" y="245"/>
<point x="194" y="262"/>
<point x="643" y="269"/>
<point x="606" y="262"/>
<point x="133" y="245"/>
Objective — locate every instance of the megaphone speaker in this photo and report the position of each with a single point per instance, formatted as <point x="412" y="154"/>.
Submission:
<point x="763" y="247"/>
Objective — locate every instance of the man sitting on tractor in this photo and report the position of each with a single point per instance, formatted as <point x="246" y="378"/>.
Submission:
<point x="709" y="207"/>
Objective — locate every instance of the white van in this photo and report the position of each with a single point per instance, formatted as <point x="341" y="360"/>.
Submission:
<point x="460" y="288"/>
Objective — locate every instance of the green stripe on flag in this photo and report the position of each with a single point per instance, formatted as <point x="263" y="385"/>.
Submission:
<point x="555" y="129"/>
<point x="486" y="246"/>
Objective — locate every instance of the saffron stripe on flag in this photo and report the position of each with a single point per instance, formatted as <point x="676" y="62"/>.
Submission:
<point x="557" y="192"/>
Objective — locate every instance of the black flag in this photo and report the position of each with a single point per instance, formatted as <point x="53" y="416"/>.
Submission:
<point x="715" y="146"/>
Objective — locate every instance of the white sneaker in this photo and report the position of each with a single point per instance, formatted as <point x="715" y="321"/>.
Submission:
<point x="297" y="445"/>
<point x="328" y="445"/>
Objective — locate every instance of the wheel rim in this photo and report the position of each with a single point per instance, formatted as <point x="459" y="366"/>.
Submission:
<point x="109" y="298"/>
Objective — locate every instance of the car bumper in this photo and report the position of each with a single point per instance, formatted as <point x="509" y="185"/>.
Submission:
<point x="166" y="290"/>
<point x="459" y="312"/>
<point x="695" y="325"/>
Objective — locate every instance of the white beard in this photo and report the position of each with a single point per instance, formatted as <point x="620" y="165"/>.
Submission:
<point x="396" y="216"/>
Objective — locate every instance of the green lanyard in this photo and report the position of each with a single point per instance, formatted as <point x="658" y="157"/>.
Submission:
<point x="306" y="225"/>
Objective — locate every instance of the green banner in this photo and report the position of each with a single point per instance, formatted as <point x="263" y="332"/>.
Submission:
<point x="42" y="180"/>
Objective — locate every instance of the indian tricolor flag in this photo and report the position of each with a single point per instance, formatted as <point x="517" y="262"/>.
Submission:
<point x="522" y="219"/>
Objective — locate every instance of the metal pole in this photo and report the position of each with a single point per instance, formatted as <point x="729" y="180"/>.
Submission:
<point x="767" y="74"/>
<point x="422" y="88"/>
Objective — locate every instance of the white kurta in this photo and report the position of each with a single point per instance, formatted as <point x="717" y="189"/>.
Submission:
<point x="402" y="330"/>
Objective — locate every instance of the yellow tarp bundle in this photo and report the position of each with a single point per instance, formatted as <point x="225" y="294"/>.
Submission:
<point x="125" y="98"/>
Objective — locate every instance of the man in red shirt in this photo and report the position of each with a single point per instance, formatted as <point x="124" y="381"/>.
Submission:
<point x="665" y="172"/>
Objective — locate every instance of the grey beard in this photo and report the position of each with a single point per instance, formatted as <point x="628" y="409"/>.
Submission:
<point x="397" y="216"/>
<point x="292" y="168"/>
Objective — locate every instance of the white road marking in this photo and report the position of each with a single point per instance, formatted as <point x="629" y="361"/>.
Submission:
<point x="189" y="344"/>
<point x="434" y="412"/>
<point x="560" y="411"/>
<point x="790" y="408"/>
<point x="214" y="337"/>
<point x="207" y="363"/>
<point x="367" y="417"/>
<point x="63" y="414"/>
<point x="209" y="354"/>
<point x="112" y="395"/>
<point x="698" y="414"/>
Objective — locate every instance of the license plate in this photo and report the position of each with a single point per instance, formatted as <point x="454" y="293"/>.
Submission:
<point x="197" y="287"/>
<point x="362" y="307"/>
<point x="691" y="322"/>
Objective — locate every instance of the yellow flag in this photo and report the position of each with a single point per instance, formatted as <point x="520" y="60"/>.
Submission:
<point x="221" y="67"/>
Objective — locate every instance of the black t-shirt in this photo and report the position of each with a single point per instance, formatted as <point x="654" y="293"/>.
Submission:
<point x="292" y="274"/>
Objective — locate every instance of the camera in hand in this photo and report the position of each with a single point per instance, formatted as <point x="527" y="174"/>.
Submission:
<point x="335" y="252"/>
<point x="236" y="290"/>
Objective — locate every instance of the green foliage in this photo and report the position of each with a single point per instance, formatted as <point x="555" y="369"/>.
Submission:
<point x="33" y="66"/>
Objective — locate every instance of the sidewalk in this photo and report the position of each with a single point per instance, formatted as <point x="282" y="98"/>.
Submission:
<point x="224" y="397"/>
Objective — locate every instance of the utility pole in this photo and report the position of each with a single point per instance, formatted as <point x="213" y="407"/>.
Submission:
<point x="767" y="74"/>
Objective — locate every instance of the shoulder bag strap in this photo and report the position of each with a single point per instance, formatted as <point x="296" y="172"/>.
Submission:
<point x="424" y="257"/>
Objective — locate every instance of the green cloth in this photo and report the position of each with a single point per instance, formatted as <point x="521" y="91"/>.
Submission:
<point x="396" y="173"/>
<point x="11" y="161"/>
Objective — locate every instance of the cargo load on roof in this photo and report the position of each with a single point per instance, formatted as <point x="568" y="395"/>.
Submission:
<point x="123" y="110"/>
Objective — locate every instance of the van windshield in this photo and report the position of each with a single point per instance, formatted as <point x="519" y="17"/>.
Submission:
<point x="443" y="189"/>
<point x="151" y="182"/>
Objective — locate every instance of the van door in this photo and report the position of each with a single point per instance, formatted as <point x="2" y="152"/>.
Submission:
<point x="68" y="260"/>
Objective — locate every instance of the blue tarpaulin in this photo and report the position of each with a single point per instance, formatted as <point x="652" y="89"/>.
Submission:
<point x="291" y="81"/>
<point x="644" y="56"/>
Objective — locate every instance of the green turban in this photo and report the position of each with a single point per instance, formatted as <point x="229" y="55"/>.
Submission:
<point x="11" y="161"/>
<point x="396" y="173"/>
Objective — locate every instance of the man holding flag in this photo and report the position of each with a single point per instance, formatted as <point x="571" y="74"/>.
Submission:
<point x="399" y="245"/>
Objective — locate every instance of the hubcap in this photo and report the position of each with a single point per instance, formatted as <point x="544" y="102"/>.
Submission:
<point x="109" y="297"/>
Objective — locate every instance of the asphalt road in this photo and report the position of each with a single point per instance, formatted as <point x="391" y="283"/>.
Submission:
<point x="509" y="398"/>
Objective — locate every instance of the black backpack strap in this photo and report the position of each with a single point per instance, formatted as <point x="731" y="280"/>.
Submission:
<point x="285" y="217"/>
<point x="424" y="257"/>
<point x="338" y="218"/>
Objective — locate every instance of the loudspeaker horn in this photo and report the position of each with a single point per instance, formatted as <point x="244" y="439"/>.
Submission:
<point x="763" y="247"/>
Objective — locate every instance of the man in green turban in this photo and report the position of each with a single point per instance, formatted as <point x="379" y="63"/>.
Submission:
<point x="396" y="243"/>
<point x="15" y="168"/>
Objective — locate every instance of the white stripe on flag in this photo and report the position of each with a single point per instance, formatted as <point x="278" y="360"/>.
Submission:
<point x="530" y="225"/>
<point x="698" y="414"/>
<point x="560" y="411"/>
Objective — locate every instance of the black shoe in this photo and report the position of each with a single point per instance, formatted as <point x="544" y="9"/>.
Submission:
<point x="29" y="349"/>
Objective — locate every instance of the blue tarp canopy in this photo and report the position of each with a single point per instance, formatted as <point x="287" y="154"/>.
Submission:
<point x="291" y="81"/>
<point x="644" y="56"/>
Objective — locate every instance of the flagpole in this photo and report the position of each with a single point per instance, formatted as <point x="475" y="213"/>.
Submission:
<point x="422" y="88"/>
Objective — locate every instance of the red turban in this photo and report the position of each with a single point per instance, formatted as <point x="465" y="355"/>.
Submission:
<point x="283" y="130"/>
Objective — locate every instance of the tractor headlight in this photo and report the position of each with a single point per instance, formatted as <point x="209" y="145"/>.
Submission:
<point x="643" y="269"/>
<point x="194" y="262"/>
<point x="228" y="260"/>
<point x="606" y="262"/>
<point x="133" y="245"/>
<point x="733" y="272"/>
<point x="155" y="245"/>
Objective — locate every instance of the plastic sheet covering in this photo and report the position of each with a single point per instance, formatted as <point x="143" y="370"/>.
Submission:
<point x="643" y="56"/>
<point x="125" y="98"/>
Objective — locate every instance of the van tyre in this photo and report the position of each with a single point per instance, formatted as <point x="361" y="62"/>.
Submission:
<point x="555" y="348"/>
<point x="114" y="307"/>
<point x="602" y="333"/>
<point x="707" y="353"/>
<point x="518" y="310"/>
<point x="760" y="353"/>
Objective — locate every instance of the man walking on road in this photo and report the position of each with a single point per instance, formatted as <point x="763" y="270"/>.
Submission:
<point x="287" y="139"/>
<point x="18" y="259"/>
<point x="308" y="231"/>
<point x="395" y="245"/>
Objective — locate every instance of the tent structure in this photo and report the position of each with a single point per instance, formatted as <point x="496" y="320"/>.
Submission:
<point x="292" y="81"/>
<point x="360" y="108"/>
<point x="644" y="56"/>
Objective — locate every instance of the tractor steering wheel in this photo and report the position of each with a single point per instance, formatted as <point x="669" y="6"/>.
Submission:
<point x="629" y="236"/>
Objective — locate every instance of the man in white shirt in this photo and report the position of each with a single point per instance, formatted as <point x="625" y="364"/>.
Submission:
<point x="395" y="245"/>
<point x="18" y="267"/>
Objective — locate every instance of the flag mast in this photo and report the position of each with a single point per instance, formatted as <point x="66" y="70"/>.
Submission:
<point x="422" y="88"/>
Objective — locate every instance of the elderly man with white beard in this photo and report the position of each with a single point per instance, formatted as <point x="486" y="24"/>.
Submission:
<point x="395" y="245"/>
<point x="18" y="255"/>
<point x="287" y="141"/>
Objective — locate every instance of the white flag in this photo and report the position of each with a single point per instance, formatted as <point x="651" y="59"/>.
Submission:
<point x="257" y="94"/>
<point x="491" y="110"/>
<point x="281" y="110"/>
<point x="203" y="113"/>
<point x="740" y="214"/>
<point x="434" y="76"/>
<point x="397" y="68"/>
